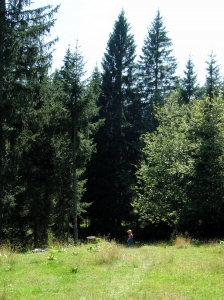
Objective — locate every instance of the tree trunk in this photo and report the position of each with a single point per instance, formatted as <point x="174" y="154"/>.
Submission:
<point x="35" y="234"/>
<point x="75" y="224"/>
<point x="2" y="22"/>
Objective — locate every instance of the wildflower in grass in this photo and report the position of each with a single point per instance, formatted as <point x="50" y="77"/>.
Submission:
<point x="3" y="255"/>
<point x="222" y="243"/>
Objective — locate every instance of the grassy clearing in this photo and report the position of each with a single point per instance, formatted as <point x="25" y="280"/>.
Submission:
<point x="109" y="271"/>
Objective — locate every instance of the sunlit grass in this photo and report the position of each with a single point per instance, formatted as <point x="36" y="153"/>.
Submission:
<point x="110" y="271"/>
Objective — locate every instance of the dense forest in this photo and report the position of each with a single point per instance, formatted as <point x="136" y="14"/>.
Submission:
<point x="133" y="146"/>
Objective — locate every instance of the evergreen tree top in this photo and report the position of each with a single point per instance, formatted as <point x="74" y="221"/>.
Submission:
<point x="213" y="78"/>
<point x="189" y="81"/>
<point x="121" y="43"/>
<point x="157" y="33"/>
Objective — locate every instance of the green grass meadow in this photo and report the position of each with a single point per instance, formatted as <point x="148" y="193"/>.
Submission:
<point x="110" y="271"/>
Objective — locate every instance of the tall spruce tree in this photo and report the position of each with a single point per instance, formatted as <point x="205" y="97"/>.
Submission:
<point x="24" y="63"/>
<point x="213" y="78"/>
<point x="189" y="82"/>
<point x="117" y="141"/>
<point x="2" y="39"/>
<point x="79" y="102"/>
<point x="205" y="188"/>
<point x="157" y="69"/>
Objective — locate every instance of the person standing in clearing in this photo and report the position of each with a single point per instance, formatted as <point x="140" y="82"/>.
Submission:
<point x="130" y="238"/>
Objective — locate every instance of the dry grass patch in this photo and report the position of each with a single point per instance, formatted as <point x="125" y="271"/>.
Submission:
<point x="107" y="253"/>
<point x="181" y="241"/>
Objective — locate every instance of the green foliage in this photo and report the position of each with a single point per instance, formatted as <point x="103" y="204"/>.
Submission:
<point x="213" y="78"/>
<point x="76" y="99"/>
<point x="75" y="269"/>
<point x="164" y="167"/>
<point x="23" y="78"/>
<point x="70" y="146"/>
<point x="156" y="70"/>
<point x="206" y="188"/>
<point x="112" y="168"/>
<point x="51" y="256"/>
<point x="180" y="180"/>
<point x="189" y="82"/>
<point x="221" y="243"/>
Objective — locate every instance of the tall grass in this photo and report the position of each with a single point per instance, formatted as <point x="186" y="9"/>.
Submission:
<point x="109" y="271"/>
<point x="108" y="253"/>
<point x="181" y="241"/>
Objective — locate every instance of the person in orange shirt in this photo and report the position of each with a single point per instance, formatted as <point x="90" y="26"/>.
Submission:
<point x="130" y="238"/>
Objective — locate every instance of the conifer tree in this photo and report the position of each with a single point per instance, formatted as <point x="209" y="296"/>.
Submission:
<point x="24" y="63"/>
<point x="213" y="79"/>
<point x="79" y="102"/>
<point x="117" y="141"/>
<point x="2" y="38"/>
<point x="189" y="81"/>
<point x="206" y="187"/>
<point x="157" y="69"/>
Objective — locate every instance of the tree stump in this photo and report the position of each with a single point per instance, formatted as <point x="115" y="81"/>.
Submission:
<point x="91" y="239"/>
